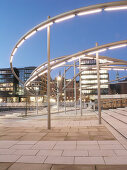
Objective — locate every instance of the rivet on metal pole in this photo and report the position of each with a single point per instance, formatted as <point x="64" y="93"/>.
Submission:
<point x="80" y="88"/>
<point x="48" y="77"/>
<point x="98" y="86"/>
<point x="65" y="90"/>
<point x="75" y="94"/>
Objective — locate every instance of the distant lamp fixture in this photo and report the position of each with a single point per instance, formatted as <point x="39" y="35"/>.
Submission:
<point x="58" y="65"/>
<point x="90" y="12"/>
<point x="44" y="26"/>
<point x="31" y="34"/>
<point x="14" y="51"/>
<point x="65" y="18"/>
<point x="117" y="46"/>
<point x="59" y="78"/>
<point x="116" y="8"/>
<point x="21" y="42"/>
<point x="11" y="59"/>
<point x="98" y="51"/>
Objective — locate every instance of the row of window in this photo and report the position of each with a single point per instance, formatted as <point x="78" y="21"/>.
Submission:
<point x="6" y="89"/>
<point x="94" y="71"/>
<point x="94" y="76"/>
<point x="6" y="85"/>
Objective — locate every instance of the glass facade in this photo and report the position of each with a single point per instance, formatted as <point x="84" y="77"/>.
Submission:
<point x="89" y="78"/>
<point x="9" y="85"/>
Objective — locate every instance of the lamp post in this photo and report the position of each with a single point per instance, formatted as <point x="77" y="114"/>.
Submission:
<point x="98" y="86"/>
<point x="65" y="90"/>
<point x="75" y="92"/>
<point x="37" y="90"/>
<point x="48" y="76"/>
<point x="80" y="87"/>
<point x="58" y="82"/>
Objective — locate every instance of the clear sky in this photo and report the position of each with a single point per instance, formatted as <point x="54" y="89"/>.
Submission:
<point x="77" y="34"/>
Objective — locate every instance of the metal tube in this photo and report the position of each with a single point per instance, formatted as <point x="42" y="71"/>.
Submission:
<point x="58" y="95"/>
<point x="80" y="87"/>
<point x="75" y="94"/>
<point x="36" y="104"/>
<point x="64" y="90"/>
<point x="48" y="77"/>
<point x="98" y="86"/>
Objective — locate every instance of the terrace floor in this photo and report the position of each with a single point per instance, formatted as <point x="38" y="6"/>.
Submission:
<point x="74" y="142"/>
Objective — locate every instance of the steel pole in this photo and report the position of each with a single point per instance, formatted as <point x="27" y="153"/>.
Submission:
<point x="58" y="95"/>
<point x="48" y="77"/>
<point x="36" y="104"/>
<point x="65" y="90"/>
<point x="80" y="88"/>
<point x="75" y="94"/>
<point x="98" y="86"/>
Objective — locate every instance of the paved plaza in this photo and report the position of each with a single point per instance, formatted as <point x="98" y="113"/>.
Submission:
<point x="74" y="142"/>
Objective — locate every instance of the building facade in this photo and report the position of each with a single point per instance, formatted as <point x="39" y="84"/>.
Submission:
<point x="89" y="78"/>
<point x="11" y="89"/>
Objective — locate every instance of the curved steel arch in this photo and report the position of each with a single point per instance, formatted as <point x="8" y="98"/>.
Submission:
<point x="38" y="71"/>
<point x="79" y="11"/>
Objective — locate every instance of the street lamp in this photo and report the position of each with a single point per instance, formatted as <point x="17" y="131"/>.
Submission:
<point x="58" y="83"/>
<point x="37" y="91"/>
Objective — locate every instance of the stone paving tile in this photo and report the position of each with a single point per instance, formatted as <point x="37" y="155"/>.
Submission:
<point x="77" y="133"/>
<point x="64" y="146"/>
<point x="111" y="146"/>
<point x="21" y="146"/>
<point x="31" y="159"/>
<point x="111" y="167"/>
<point x="30" y="166"/>
<point x="31" y="137"/>
<point x="101" y="153"/>
<point x="80" y="138"/>
<point x="66" y="142"/>
<point x="7" y="151"/>
<point x="26" y="142"/>
<point x="50" y="152"/>
<point x="87" y="142"/>
<point x="110" y="142"/>
<point x="74" y="153"/>
<point x="89" y="160"/>
<point x="88" y="147"/>
<point x="121" y="160"/>
<point x="5" y="166"/>
<point x="44" y="145"/>
<point x="59" y="160"/>
<point x="9" y="158"/>
<point x="53" y="138"/>
<point x="121" y="152"/>
<point x="57" y="134"/>
<point x="7" y="144"/>
<point x="25" y="152"/>
<point x="73" y="167"/>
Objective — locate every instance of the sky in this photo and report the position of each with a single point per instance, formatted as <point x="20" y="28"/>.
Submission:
<point x="68" y="37"/>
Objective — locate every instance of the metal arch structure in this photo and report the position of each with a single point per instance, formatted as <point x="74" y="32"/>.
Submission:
<point x="64" y="16"/>
<point x="46" y="24"/>
<point x="88" y="54"/>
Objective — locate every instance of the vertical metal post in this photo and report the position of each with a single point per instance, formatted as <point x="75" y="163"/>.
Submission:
<point x="98" y="86"/>
<point x="25" y="91"/>
<point x="58" y="95"/>
<point x="36" y="104"/>
<point x="48" y="77"/>
<point x="26" y="107"/>
<point x="80" y="88"/>
<point x="65" y="90"/>
<point x="75" y="94"/>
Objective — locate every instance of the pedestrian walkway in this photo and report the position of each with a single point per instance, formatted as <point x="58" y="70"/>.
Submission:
<point x="73" y="142"/>
<point x="117" y="118"/>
